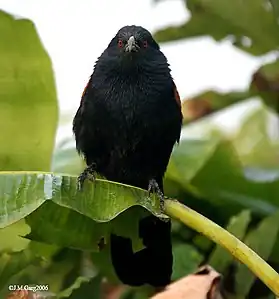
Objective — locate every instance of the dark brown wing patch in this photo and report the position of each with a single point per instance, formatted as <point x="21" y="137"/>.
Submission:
<point x="177" y="96"/>
<point x="84" y="90"/>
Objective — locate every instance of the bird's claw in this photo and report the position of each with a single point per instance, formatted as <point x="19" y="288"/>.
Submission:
<point x="88" y="173"/>
<point x="153" y="187"/>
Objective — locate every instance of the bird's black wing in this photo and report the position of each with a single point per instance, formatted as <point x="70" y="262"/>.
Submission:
<point x="78" y="126"/>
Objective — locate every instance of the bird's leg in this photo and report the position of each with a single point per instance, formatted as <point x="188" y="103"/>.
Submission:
<point x="154" y="187"/>
<point x="88" y="173"/>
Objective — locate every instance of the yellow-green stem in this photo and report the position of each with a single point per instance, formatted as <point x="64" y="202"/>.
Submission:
<point x="239" y="250"/>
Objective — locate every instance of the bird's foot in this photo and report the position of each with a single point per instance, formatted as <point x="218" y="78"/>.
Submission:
<point x="88" y="173"/>
<point x="153" y="187"/>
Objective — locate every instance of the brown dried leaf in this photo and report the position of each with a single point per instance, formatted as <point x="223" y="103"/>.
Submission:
<point x="265" y="84"/>
<point x="265" y="81"/>
<point x="209" y="102"/>
<point x="196" y="108"/>
<point x="20" y="294"/>
<point x="204" y="284"/>
<point x="23" y="294"/>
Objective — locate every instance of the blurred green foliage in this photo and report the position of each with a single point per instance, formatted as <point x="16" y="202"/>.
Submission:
<point x="232" y="179"/>
<point x="27" y="98"/>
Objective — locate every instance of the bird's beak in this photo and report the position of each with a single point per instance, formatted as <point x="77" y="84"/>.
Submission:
<point x="131" y="45"/>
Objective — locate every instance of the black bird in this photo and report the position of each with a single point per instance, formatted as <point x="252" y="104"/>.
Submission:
<point x="126" y="126"/>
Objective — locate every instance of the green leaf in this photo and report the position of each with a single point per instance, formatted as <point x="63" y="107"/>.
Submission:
<point x="73" y="275"/>
<point x="58" y="214"/>
<point x="51" y="202"/>
<point x="202" y="243"/>
<point x="274" y="255"/>
<point x="195" y="153"/>
<point x="251" y="26"/>
<point x="253" y="143"/>
<point x="11" y="236"/>
<point x="220" y="258"/>
<point x="62" y="274"/>
<point x="212" y="170"/>
<point x="137" y="293"/>
<point x="186" y="260"/>
<point x="128" y="294"/>
<point x="261" y="240"/>
<point x="57" y="271"/>
<point x="83" y="287"/>
<point x="28" y="104"/>
<point x="13" y="264"/>
<point x="45" y="251"/>
<point x="275" y="6"/>
<point x="28" y="267"/>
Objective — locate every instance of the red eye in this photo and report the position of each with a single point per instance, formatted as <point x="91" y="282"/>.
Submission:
<point x="120" y="43"/>
<point x="145" y="44"/>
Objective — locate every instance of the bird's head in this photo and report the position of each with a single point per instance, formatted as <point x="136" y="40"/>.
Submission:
<point x="132" y="41"/>
<point x="132" y="50"/>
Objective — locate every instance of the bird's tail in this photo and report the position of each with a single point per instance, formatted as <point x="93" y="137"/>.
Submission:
<point x="151" y="265"/>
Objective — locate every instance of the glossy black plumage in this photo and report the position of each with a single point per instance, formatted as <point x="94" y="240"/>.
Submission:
<point x="126" y="126"/>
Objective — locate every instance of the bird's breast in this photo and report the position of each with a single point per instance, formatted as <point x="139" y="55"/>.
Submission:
<point x="134" y="98"/>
